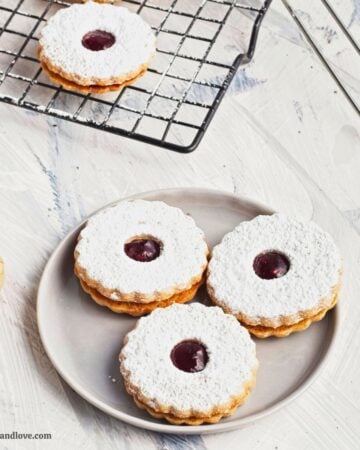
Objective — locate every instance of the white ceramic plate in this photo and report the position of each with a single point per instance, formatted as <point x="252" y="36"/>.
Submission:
<point x="83" y="340"/>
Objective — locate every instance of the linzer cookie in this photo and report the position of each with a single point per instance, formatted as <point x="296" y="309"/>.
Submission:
<point x="95" y="48"/>
<point x="140" y="255"/>
<point x="189" y="364"/>
<point x="275" y="274"/>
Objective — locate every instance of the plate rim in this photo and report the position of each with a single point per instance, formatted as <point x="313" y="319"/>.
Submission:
<point x="160" y="426"/>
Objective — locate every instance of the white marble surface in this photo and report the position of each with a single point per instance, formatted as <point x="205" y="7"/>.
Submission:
<point x="286" y="135"/>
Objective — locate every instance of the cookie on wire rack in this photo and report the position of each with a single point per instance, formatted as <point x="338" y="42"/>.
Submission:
<point x="140" y="255"/>
<point x="275" y="274"/>
<point x="96" y="48"/>
<point x="189" y="364"/>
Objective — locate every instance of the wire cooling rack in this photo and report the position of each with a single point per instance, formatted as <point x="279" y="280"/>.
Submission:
<point x="201" y="44"/>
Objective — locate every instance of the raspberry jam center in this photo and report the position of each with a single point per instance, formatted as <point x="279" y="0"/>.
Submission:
<point x="143" y="250"/>
<point x="98" y="40"/>
<point x="271" y="265"/>
<point x="189" y="356"/>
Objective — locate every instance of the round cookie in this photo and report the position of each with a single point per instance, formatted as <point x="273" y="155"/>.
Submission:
<point x="139" y="255"/>
<point x="189" y="364"/>
<point x="275" y="274"/>
<point x="96" y="45"/>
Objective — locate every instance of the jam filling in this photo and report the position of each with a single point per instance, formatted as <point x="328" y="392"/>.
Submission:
<point x="143" y="250"/>
<point x="189" y="356"/>
<point x="98" y="40"/>
<point x="271" y="265"/>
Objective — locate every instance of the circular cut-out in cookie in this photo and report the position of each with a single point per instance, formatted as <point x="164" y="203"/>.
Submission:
<point x="139" y="255"/>
<point x="217" y="362"/>
<point x="275" y="274"/>
<point x="96" y="45"/>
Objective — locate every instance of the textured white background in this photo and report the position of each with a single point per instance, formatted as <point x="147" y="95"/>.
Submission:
<point x="285" y="135"/>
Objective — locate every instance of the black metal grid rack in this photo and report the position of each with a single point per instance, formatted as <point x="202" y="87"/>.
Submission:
<point x="172" y="105"/>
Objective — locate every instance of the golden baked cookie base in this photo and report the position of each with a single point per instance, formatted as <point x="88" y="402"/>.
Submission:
<point x="285" y="330"/>
<point x="181" y="417"/>
<point x="263" y="331"/>
<point x="93" y="89"/>
<point x="139" y="309"/>
<point x="190" y="420"/>
<point x="94" y="85"/>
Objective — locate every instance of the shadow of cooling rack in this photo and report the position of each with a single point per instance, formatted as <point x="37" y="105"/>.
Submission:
<point x="200" y="46"/>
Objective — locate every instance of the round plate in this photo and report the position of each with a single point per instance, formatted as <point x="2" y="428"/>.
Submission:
<point x="83" y="340"/>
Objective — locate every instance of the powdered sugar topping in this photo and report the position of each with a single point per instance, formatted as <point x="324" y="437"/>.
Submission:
<point x="101" y="248"/>
<point x="61" y="41"/>
<point x="314" y="267"/>
<point x="147" y="362"/>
